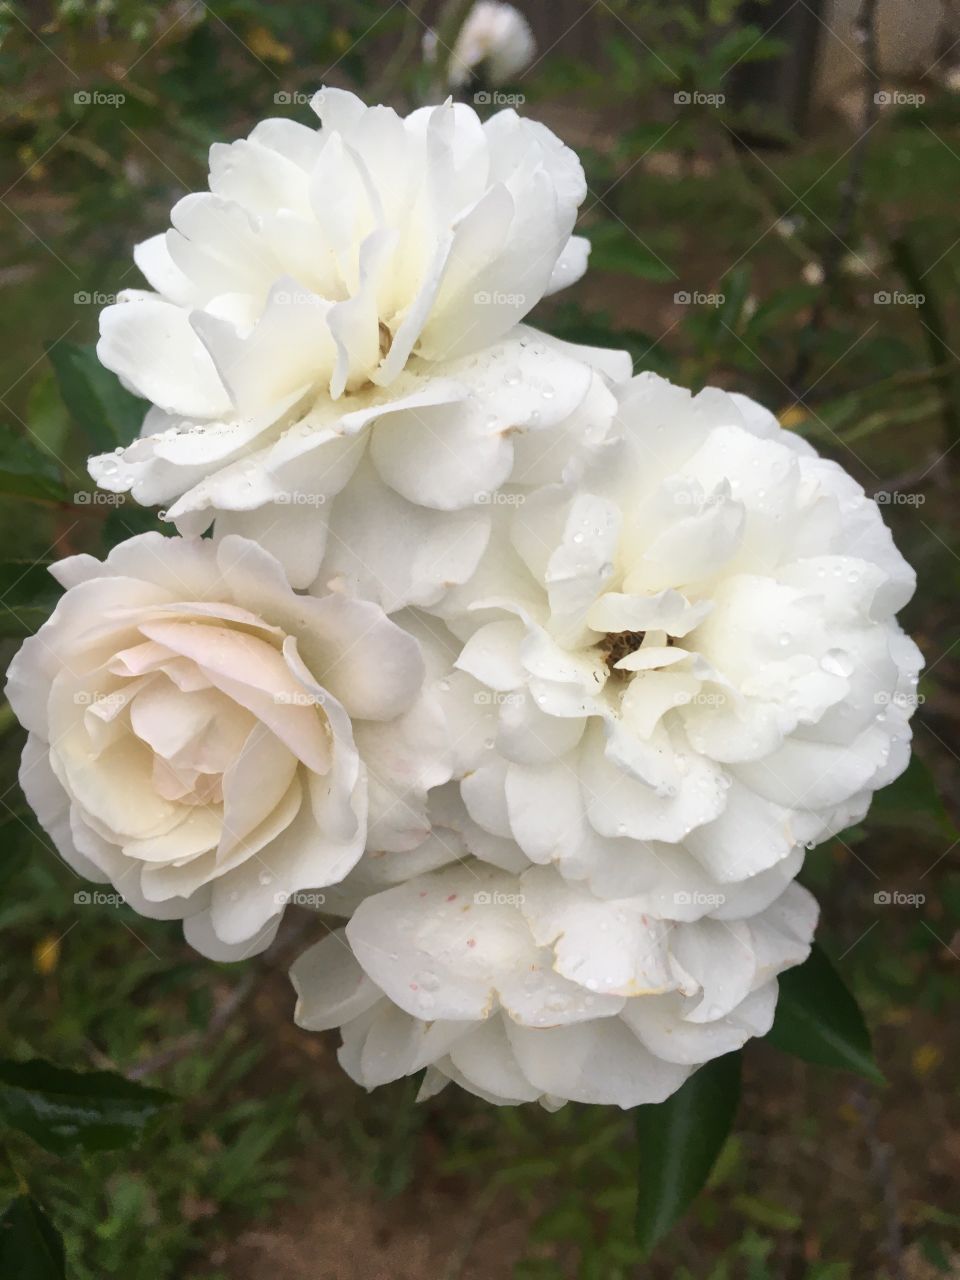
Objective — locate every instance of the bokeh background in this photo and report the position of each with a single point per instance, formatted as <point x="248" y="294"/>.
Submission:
<point x="774" y="190"/>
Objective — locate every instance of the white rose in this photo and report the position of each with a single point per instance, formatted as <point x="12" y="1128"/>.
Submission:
<point x="360" y="283"/>
<point x="495" y="42"/>
<point x="524" y="988"/>
<point x="200" y="736"/>
<point x="690" y="651"/>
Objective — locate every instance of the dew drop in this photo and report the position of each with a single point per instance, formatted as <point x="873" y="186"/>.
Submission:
<point x="836" y="662"/>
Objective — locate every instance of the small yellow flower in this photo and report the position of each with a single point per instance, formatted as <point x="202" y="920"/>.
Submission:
<point x="926" y="1059"/>
<point x="793" y="417"/>
<point x="262" y="43"/>
<point x="46" y="955"/>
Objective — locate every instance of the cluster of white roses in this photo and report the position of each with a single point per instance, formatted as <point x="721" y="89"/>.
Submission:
<point x="535" y="677"/>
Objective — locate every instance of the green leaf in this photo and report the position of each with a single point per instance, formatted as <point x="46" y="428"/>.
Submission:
<point x="913" y="795"/>
<point x="30" y="1245"/>
<point x="819" y="1020"/>
<point x="27" y="596"/>
<point x="615" y="248"/>
<point x="47" y="414"/>
<point x="67" y="1111"/>
<point x="26" y="471"/>
<point x="98" y="404"/>
<point x="15" y="850"/>
<point x="767" y="1213"/>
<point x="679" y="1140"/>
<point x="735" y="288"/>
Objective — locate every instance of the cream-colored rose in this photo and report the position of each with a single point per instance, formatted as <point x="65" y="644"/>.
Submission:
<point x="200" y="734"/>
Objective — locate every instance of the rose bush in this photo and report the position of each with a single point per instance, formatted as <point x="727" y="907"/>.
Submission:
<point x="201" y="737"/>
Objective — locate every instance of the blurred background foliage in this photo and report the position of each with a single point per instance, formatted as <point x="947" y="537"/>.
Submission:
<point x="755" y="225"/>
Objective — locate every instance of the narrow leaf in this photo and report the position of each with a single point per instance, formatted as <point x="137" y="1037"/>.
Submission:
<point x="819" y="1020"/>
<point x="66" y="1111"/>
<point x="615" y="248"/>
<point x="30" y="1245"/>
<point x="26" y="471"/>
<point x="105" y="410"/>
<point x="913" y="795"/>
<point x="27" y="596"/>
<point x="678" y="1142"/>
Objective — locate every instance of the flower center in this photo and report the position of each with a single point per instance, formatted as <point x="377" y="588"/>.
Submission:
<point x="618" y="644"/>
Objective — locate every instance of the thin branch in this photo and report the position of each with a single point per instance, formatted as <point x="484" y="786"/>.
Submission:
<point x="390" y="81"/>
<point x="881" y="1168"/>
<point x="276" y="956"/>
<point x="938" y="350"/>
<point x="851" y="189"/>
